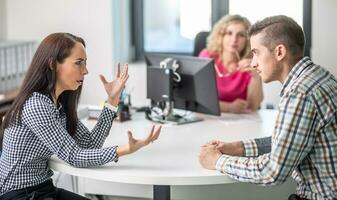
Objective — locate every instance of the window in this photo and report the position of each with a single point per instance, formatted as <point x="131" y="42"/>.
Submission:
<point x="178" y="21"/>
<point x="249" y="9"/>
<point x="177" y="24"/>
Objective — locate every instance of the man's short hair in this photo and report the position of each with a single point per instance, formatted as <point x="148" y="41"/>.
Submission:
<point x="280" y="29"/>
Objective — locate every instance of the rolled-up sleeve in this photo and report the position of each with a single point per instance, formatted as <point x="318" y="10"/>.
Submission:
<point x="257" y="147"/>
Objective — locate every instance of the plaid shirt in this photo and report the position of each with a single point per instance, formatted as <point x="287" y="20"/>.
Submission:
<point x="304" y="141"/>
<point x="27" y="146"/>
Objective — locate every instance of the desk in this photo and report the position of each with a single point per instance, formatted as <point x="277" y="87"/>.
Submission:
<point x="173" y="158"/>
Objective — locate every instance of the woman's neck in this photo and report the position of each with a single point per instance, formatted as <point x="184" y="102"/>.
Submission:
<point x="229" y="58"/>
<point x="55" y="95"/>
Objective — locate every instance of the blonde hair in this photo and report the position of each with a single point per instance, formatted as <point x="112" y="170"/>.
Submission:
<point x="214" y="40"/>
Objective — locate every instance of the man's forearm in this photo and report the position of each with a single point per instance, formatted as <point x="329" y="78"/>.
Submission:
<point x="238" y="149"/>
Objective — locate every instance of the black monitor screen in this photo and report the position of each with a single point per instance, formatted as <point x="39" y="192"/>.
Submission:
<point x="197" y="90"/>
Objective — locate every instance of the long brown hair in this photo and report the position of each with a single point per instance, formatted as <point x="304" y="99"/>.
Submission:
<point x="41" y="77"/>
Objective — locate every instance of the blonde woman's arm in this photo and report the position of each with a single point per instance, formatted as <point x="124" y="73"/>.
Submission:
<point x="236" y="106"/>
<point x="255" y="92"/>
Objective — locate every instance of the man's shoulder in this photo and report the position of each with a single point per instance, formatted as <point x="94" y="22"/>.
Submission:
<point x="205" y="54"/>
<point x="314" y="80"/>
<point x="318" y="86"/>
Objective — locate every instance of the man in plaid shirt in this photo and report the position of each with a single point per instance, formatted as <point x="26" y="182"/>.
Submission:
<point x="304" y="140"/>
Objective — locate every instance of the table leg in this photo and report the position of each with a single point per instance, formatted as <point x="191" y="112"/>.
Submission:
<point x="74" y="182"/>
<point x="161" y="192"/>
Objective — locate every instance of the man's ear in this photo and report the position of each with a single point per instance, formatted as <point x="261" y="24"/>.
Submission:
<point x="280" y="52"/>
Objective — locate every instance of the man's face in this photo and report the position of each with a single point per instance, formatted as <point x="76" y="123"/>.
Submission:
<point x="264" y="60"/>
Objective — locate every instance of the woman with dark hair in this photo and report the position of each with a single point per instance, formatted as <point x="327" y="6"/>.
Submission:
<point x="43" y="121"/>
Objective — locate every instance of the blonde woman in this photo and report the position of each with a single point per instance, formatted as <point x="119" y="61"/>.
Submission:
<point x="239" y="88"/>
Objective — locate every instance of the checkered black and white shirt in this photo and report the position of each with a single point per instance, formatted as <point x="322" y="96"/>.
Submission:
<point x="27" y="146"/>
<point x="304" y="140"/>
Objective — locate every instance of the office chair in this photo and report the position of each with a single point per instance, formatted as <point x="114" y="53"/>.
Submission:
<point x="200" y="42"/>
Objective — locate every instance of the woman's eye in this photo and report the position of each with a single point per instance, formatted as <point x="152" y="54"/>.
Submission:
<point x="228" y="33"/>
<point x="80" y="63"/>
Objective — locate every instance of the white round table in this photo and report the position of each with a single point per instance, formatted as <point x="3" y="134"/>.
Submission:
<point x="173" y="158"/>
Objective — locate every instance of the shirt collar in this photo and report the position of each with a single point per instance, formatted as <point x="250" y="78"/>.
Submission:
<point x="295" y="72"/>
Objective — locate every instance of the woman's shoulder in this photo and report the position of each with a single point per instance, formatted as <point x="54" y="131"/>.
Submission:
<point x="39" y="97"/>
<point x="204" y="54"/>
<point x="37" y="101"/>
<point x="38" y="109"/>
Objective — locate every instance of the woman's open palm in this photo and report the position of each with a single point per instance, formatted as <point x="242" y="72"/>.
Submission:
<point x="135" y="144"/>
<point x="115" y="87"/>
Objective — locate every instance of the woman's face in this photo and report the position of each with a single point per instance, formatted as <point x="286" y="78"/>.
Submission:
<point x="70" y="74"/>
<point x="235" y="38"/>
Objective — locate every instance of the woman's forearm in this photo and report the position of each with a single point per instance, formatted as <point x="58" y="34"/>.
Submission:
<point x="224" y="106"/>
<point x="122" y="150"/>
<point x="255" y="93"/>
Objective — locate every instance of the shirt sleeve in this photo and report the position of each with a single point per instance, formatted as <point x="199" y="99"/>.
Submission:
<point x="95" y="138"/>
<point x="250" y="148"/>
<point x="44" y="122"/>
<point x="256" y="147"/>
<point x="293" y="138"/>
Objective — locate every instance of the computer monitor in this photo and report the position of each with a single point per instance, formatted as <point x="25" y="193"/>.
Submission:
<point x="197" y="89"/>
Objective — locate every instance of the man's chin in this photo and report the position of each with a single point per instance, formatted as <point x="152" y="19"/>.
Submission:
<point x="265" y="79"/>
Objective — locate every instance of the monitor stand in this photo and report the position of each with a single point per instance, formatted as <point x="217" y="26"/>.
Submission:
<point x="170" y="117"/>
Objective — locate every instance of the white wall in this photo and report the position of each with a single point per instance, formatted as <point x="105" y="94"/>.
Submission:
<point x="324" y="34"/>
<point x="92" y="20"/>
<point x="3" y="21"/>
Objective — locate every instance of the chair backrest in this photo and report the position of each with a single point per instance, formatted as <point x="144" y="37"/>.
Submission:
<point x="200" y="42"/>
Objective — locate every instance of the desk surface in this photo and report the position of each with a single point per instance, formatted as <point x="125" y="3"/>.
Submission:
<point x="173" y="158"/>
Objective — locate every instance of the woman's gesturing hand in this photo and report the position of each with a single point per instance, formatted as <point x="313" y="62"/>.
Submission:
<point x="136" y="144"/>
<point x="115" y="87"/>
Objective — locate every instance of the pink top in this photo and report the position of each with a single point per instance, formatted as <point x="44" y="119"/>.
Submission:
<point x="230" y="86"/>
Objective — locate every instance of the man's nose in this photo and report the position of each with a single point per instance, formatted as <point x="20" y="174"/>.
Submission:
<point x="253" y="63"/>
